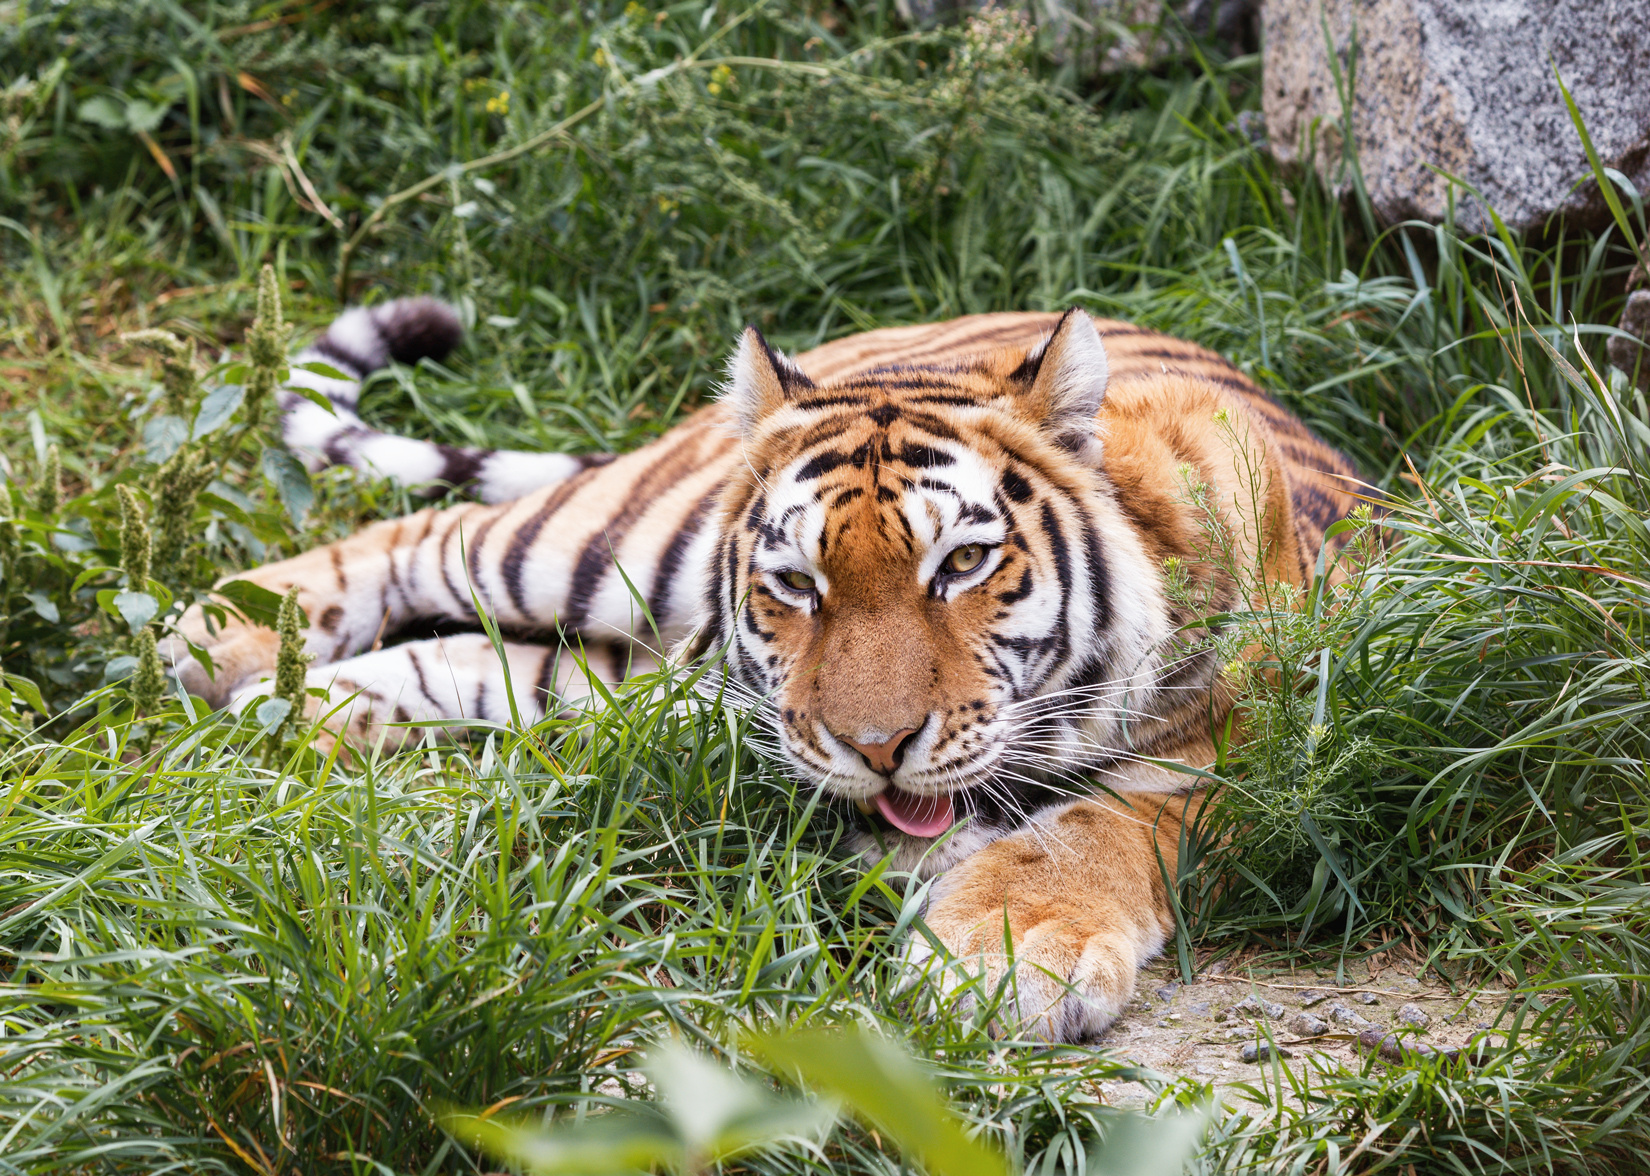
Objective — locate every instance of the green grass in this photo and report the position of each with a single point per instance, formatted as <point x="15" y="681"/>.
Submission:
<point x="215" y="959"/>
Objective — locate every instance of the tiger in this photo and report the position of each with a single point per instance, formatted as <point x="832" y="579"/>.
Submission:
<point x="933" y="561"/>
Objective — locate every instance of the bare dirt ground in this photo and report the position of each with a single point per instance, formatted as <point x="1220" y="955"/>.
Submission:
<point x="1200" y="1030"/>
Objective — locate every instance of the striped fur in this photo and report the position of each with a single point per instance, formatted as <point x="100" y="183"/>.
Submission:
<point x="930" y="558"/>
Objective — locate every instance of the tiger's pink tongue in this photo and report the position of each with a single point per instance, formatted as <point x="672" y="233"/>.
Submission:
<point x="920" y="816"/>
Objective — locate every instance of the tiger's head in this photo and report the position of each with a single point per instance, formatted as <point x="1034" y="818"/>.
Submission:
<point x="924" y="580"/>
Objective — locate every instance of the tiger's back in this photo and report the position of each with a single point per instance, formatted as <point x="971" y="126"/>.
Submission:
<point x="1323" y="484"/>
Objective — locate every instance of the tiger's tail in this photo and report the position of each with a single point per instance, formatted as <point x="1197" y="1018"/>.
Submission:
<point x="359" y="342"/>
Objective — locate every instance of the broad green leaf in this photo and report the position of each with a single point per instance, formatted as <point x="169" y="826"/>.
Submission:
<point x="143" y="116"/>
<point x="884" y="1086"/>
<point x="137" y="609"/>
<point x="255" y="602"/>
<point x="619" y="1142"/>
<point x="218" y="407"/>
<point x="26" y="688"/>
<point x="163" y="436"/>
<point x="316" y="367"/>
<point x="291" y="481"/>
<point x="1136" y="1145"/>
<point x="717" y="1113"/>
<point x="119" y="668"/>
<point x="317" y="398"/>
<point x="272" y="712"/>
<point x="44" y="606"/>
<point x="103" y="111"/>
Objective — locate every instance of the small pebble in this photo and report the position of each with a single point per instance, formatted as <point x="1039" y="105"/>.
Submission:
<point x="1414" y="1014"/>
<point x="1220" y="1015"/>
<point x="1198" y="1008"/>
<point x="1307" y="1025"/>
<point x="1308" y="999"/>
<point x="1166" y="993"/>
<point x="1238" y="1035"/>
<point x="1251" y="1006"/>
<point x="1342" y="1015"/>
<point x="1162" y="1023"/>
<point x="1368" y="998"/>
<point x="1262" y="1051"/>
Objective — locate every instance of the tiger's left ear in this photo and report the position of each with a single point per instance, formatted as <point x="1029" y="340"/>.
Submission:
<point x="760" y="380"/>
<point x="1067" y="374"/>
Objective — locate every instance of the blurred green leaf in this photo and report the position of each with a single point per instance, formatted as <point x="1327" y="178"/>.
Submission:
<point x="1136" y="1145"/>
<point x="257" y="603"/>
<point x="883" y="1085"/>
<point x="137" y="609"/>
<point x="718" y="1113"/>
<point x="705" y="1113"/>
<point x="291" y="482"/>
<point x="218" y="407"/>
<point x="613" y="1144"/>
<point x="28" y="690"/>
<point x="104" y="112"/>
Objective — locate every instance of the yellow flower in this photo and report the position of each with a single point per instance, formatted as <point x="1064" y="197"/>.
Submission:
<point x="1220" y="416"/>
<point x="599" y="56"/>
<point x="500" y="104"/>
<point x="634" y="11"/>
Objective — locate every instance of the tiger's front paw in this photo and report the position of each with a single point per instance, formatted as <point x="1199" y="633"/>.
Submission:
<point x="1067" y="938"/>
<point x="241" y="653"/>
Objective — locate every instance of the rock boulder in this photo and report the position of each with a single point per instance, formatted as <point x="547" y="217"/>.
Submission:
<point x="1467" y="87"/>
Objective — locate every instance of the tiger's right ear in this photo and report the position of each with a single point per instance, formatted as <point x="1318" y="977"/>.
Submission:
<point x="760" y="381"/>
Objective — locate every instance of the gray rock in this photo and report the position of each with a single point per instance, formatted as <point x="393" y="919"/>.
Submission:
<point x="1633" y="355"/>
<point x="1367" y="998"/>
<point x="1342" y="1015"/>
<point x="1197" y="1008"/>
<point x="1466" y="86"/>
<point x="1262" y="1051"/>
<point x="1166" y="993"/>
<point x="1306" y="1025"/>
<point x="1308" y="999"/>
<point x="1252" y="1007"/>
<point x="1239" y="1034"/>
<point x="1414" y="1014"/>
<point x="1162" y="1023"/>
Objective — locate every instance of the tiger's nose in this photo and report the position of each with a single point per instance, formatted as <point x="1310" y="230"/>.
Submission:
<point x="882" y="757"/>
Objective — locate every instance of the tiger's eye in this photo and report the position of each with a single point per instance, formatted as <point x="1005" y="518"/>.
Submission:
<point x="964" y="559"/>
<point x="797" y="581"/>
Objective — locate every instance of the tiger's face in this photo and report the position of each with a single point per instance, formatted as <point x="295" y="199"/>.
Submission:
<point x="925" y="579"/>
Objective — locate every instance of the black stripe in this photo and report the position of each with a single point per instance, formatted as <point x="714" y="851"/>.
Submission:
<point x="1099" y="571"/>
<point x="341" y="355"/>
<point x="1062" y="567"/>
<point x="516" y="553"/>
<point x="601" y="550"/>
<point x="670" y="562"/>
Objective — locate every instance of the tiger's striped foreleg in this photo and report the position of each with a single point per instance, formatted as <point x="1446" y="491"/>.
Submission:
<point x="371" y="698"/>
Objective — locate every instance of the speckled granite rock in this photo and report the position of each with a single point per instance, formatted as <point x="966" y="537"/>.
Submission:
<point x="1465" y="86"/>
